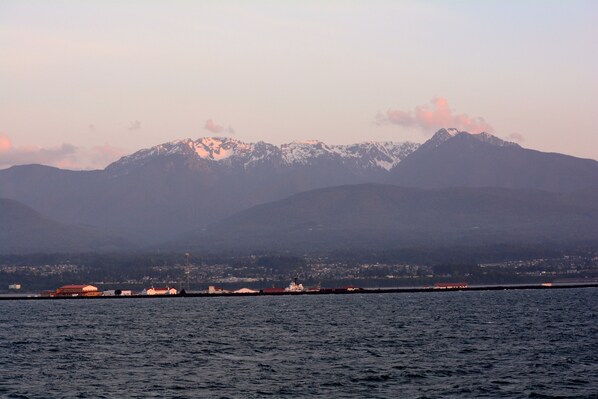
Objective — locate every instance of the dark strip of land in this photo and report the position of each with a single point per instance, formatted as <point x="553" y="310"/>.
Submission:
<point x="321" y="292"/>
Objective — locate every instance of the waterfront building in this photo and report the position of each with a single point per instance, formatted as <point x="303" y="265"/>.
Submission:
<point x="212" y="289"/>
<point x="159" y="291"/>
<point x="295" y="287"/>
<point x="246" y="291"/>
<point x="77" y="290"/>
<point x="117" y="293"/>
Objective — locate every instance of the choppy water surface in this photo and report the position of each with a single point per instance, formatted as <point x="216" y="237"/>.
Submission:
<point x="460" y="344"/>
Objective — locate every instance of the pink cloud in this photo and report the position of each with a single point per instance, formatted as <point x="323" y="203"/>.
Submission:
<point x="65" y="156"/>
<point x="215" y="128"/>
<point x="433" y="116"/>
<point x="5" y="144"/>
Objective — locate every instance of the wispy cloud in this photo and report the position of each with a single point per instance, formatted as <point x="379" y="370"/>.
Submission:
<point x="516" y="137"/>
<point x="218" y="129"/>
<point x="433" y="116"/>
<point x="134" y="125"/>
<point x="66" y="156"/>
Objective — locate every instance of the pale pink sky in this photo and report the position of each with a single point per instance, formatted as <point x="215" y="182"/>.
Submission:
<point x="82" y="83"/>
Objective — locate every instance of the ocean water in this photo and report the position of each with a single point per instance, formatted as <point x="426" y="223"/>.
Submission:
<point x="528" y="344"/>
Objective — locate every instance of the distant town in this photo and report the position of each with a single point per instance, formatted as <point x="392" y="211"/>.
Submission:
<point x="255" y="273"/>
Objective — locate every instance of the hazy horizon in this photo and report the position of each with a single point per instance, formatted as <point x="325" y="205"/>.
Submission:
<point x="85" y="83"/>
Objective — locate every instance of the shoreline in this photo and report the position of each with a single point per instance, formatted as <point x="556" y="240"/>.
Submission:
<point x="322" y="292"/>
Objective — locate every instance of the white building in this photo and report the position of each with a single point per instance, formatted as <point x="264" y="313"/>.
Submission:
<point x="245" y="291"/>
<point x="159" y="291"/>
<point x="117" y="293"/>
<point x="212" y="289"/>
<point x="294" y="287"/>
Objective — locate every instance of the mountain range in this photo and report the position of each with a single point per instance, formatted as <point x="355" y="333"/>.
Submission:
<point x="179" y="191"/>
<point x="381" y="216"/>
<point x="23" y="229"/>
<point x="162" y="192"/>
<point x="459" y="159"/>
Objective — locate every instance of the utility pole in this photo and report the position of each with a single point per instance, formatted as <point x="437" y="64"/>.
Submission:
<point x="187" y="269"/>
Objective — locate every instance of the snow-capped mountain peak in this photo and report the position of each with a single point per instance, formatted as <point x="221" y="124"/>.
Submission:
<point x="228" y="152"/>
<point x="439" y="137"/>
<point x="490" y="139"/>
<point x="443" y="135"/>
<point x="232" y="153"/>
<point x="220" y="148"/>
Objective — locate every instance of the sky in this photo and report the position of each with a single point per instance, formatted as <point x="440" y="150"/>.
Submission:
<point x="85" y="82"/>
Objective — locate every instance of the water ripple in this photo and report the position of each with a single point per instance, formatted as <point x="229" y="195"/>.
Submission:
<point x="522" y="344"/>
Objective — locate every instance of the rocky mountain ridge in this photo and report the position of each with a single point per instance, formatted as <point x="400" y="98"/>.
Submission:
<point x="225" y="151"/>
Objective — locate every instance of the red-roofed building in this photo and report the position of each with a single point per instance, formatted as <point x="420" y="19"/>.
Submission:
<point x="77" y="290"/>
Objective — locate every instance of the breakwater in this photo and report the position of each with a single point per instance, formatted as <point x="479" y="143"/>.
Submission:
<point x="319" y="292"/>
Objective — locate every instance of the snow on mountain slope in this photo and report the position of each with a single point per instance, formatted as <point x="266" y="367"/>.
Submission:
<point x="232" y="152"/>
<point x="443" y="135"/>
<point x="225" y="152"/>
<point x="490" y="139"/>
